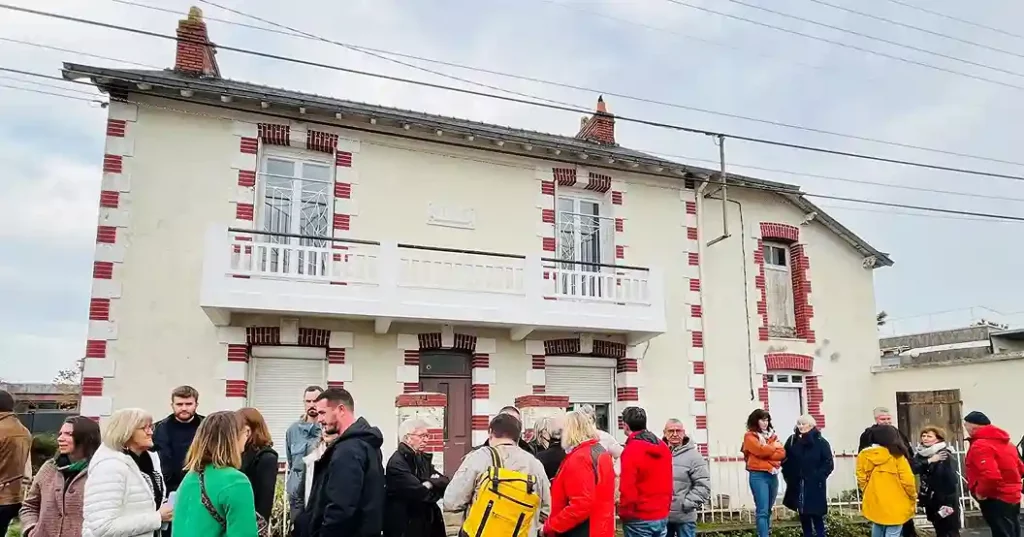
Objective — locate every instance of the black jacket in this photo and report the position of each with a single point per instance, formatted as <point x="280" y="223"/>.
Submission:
<point x="260" y="466"/>
<point x="806" y="469"/>
<point x="347" y="496"/>
<point x="411" y="509"/>
<point x="551" y="457"/>
<point x="939" y="482"/>
<point x="171" y="440"/>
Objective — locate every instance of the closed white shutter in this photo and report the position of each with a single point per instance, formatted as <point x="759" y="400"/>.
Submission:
<point x="276" y="390"/>
<point x="582" y="384"/>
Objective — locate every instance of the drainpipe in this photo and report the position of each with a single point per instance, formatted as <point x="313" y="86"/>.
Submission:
<point x="746" y="292"/>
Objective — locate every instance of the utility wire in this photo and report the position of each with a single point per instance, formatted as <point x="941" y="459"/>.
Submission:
<point x="54" y="94"/>
<point x="380" y="54"/>
<point x="904" y="213"/>
<point x="848" y="45"/>
<point x="45" y="85"/>
<point x="765" y="188"/>
<point x="872" y="37"/>
<point x="79" y="52"/>
<point x="957" y="19"/>
<point x="917" y="28"/>
<point x="681" y="157"/>
<point x="576" y="110"/>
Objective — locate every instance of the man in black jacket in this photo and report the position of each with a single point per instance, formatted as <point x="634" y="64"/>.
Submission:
<point x="173" y="435"/>
<point x="414" y="486"/>
<point x="347" y="496"/>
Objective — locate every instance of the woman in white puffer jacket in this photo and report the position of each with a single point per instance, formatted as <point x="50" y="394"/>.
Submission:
<point x="124" y="494"/>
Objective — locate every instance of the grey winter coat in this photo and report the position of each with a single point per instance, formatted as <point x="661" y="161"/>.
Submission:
<point x="691" y="482"/>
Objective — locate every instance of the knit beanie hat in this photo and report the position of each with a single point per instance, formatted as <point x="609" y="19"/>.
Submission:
<point x="977" y="418"/>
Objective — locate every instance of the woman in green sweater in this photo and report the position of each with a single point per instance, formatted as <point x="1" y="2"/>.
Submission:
<point x="215" y="498"/>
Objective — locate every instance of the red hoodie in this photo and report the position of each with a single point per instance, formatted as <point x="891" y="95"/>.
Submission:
<point x="645" y="483"/>
<point x="993" y="467"/>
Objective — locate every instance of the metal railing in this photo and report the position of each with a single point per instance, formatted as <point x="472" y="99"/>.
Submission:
<point x="732" y="501"/>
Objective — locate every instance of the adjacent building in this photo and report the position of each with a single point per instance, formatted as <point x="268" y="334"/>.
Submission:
<point x="253" y="240"/>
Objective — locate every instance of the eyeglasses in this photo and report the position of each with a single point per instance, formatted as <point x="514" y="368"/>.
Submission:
<point x="148" y="427"/>
<point x="674" y="431"/>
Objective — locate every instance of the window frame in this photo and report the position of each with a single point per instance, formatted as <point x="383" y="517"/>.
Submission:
<point x="605" y="243"/>
<point x="298" y="157"/>
<point x="786" y="329"/>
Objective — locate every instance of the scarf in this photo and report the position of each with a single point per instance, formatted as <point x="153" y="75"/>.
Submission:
<point x="765" y="436"/>
<point x="65" y="465"/>
<point x="927" y="452"/>
<point x="150" y="474"/>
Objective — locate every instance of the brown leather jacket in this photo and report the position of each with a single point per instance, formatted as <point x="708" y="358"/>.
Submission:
<point x="50" y="509"/>
<point x="15" y="445"/>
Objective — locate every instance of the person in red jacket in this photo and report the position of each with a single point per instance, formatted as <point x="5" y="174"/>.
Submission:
<point x="583" y="491"/>
<point x="994" y="470"/>
<point x="645" y="482"/>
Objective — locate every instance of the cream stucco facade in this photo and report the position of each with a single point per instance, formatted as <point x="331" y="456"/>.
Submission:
<point x="179" y="185"/>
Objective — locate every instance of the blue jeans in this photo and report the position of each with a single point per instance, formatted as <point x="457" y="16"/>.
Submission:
<point x="765" y="487"/>
<point x="878" y="530"/>
<point x="645" y="528"/>
<point x="682" y="529"/>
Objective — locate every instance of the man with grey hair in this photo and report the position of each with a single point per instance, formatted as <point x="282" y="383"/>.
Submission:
<point x="413" y="485"/>
<point x="691" y="480"/>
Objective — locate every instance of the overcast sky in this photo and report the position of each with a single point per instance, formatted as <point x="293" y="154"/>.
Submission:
<point x="51" y="148"/>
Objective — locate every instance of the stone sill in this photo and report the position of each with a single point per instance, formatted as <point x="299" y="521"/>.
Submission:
<point x="1002" y="357"/>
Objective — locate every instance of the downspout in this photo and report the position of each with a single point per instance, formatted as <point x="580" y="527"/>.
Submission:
<point x="746" y="295"/>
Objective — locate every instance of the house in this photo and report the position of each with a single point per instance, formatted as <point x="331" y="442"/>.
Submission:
<point x="254" y="240"/>
<point x="936" y="378"/>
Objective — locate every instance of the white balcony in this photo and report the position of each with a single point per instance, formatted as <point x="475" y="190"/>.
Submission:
<point x="385" y="282"/>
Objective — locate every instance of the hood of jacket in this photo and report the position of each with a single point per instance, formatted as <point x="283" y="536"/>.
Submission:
<point x="361" y="430"/>
<point x="879" y="456"/>
<point x="648" y="442"/>
<point x="687" y="445"/>
<point x="990" y="432"/>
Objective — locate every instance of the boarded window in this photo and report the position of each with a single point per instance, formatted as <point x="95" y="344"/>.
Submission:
<point x="779" y="290"/>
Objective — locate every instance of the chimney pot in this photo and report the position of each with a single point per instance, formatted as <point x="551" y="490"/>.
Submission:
<point x="599" y="128"/>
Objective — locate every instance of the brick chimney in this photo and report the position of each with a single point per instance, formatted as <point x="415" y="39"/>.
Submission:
<point x="600" y="128"/>
<point x="195" y="56"/>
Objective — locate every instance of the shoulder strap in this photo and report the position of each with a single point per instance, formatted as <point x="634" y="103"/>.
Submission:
<point x="495" y="457"/>
<point x="208" y="503"/>
<point x="595" y="454"/>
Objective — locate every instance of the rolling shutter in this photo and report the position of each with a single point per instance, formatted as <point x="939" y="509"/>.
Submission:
<point x="582" y="384"/>
<point x="276" y="391"/>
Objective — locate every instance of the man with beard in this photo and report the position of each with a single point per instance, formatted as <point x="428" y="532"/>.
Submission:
<point x="300" y="439"/>
<point x="347" y="496"/>
<point x="173" y="435"/>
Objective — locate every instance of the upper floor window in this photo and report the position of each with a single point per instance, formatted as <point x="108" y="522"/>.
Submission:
<point x="779" y="290"/>
<point x="585" y="233"/>
<point x="296" y="194"/>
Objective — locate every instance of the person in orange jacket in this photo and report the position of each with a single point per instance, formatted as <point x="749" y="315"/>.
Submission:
<point x="764" y="454"/>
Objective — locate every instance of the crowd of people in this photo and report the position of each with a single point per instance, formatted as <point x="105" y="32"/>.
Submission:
<point x="190" y="475"/>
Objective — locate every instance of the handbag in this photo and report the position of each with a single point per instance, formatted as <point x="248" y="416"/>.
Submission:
<point x="262" y="526"/>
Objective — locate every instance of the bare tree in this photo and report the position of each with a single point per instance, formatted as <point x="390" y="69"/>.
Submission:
<point x="881" y="318"/>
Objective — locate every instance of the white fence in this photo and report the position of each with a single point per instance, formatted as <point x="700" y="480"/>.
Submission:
<point x="731" y="500"/>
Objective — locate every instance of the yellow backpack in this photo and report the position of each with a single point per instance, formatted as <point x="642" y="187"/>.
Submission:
<point x="505" y="503"/>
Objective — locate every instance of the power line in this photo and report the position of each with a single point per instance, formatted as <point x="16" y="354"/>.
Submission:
<point x="71" y="51"/>
<point x="685" y="157"/>
<point x="848" y="45"/>
<point x="991" y="216"/>
<point x="847" y="179"/>
<point x="54" y="94"/>
<point x="917" y="28"/>
<point x="576" y="110"/>
<point x="903" y="213"/>
<point x="294" y="32"/>
<point x="957" y="19"/>
<point x="45" y="85"/>
<point x="874" y="38"/>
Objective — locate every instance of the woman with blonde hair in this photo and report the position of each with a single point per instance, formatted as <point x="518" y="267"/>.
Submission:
<point x="548" y="438"/>
<point x="215" y="498"/>
<point x="583" y="492"/>
<point x="259" y="460"/>
<point x="124" y="491"/>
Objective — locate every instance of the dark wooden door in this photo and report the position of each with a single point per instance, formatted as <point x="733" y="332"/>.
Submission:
<point x="457" y="433"/>
<point x="941" y="408"/>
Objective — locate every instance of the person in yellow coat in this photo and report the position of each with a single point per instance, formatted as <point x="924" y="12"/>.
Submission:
<point x="887" y="482"/>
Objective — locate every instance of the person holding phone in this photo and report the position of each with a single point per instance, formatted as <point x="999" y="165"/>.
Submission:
<point x="939" y="492"/>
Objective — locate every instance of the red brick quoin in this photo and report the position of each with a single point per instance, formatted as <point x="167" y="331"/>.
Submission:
<point x="534" y="401"/>
<point x="421" y="399"/>
<point x="799" y="264"/>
